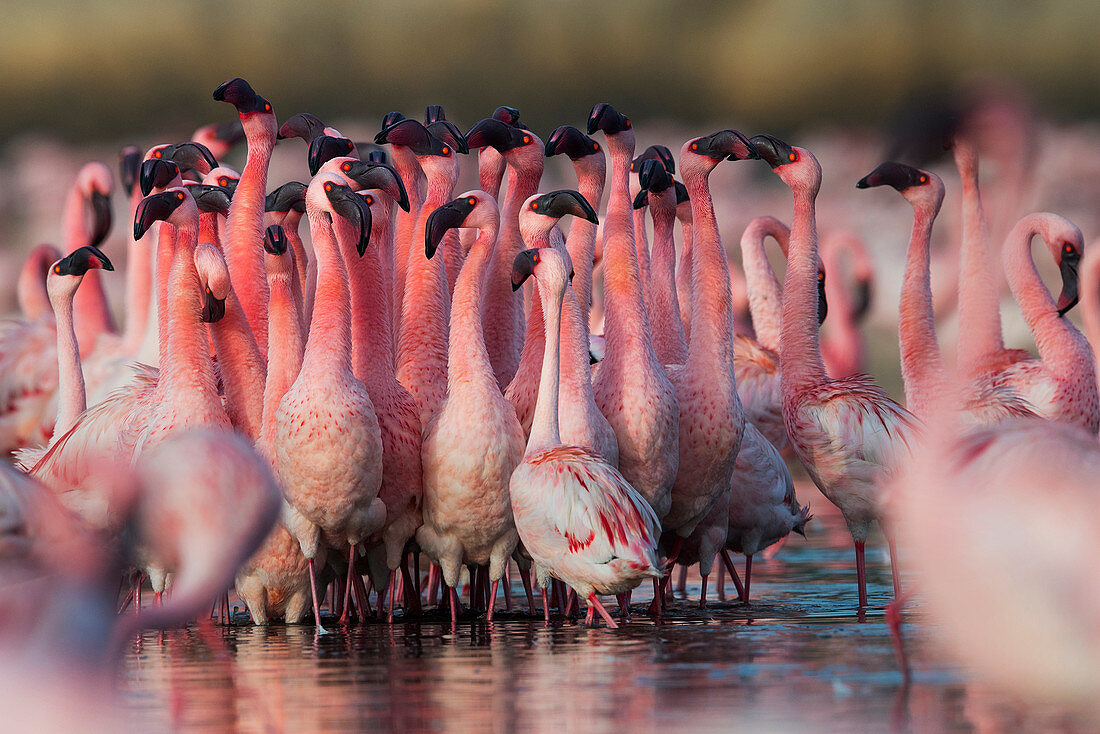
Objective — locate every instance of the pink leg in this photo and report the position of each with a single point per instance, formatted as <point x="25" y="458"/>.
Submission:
<point x="682" y="579"/>
<point x="157" y="600"/>
<point x="720" y="582"/>
<point x="344" y="616"/>
<point x="772" y="550"/>
<point x="316" y="607"/>
<point x="703" y="593"/>
<point x="590" y="617"/>
<point x="228" y="618"/>
<point x="493" y="599"/>
<point x="412" y="597"/>
<point x="454" y="610"/>
<point x="895" y="570"/>
<point x="748" y="576"/>
<point x="655" y="605"/>
<point x="624" y="606"/>
<point x="572" y="604"/>
<point x="894" y="620"/>
<point x="508" y="587"/>
<point x="433" y="585"/>
<point x="733" y="574"/>
<point x="362" y="597"/>
<point x="475" y="575"/>
<point x="861" y="575"/>
<point x="525" y="576"/>
<point x="393" y="595"/>
<point x="545" y="606"/>
<point x="677" y="546"/>
<point x="137" y="592"/>
<point x="594" y="602"/>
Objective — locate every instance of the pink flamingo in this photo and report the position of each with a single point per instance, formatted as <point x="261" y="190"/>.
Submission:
<point x="683" y="268"/>
<point x="504" y="318"/>
<point x="842" y="345"/>
<point x="1061" y="384"/>
<point x="578" y="517"/>
<point x="921" y="362"/>
<point x="1090" y="296"/>
<point x="285" y="206"/>
<point x="641" y="242"/>
<point x="669" y="339"/>
<point x="220" y="138"/>
<point x="93" y="187"/>
<point x="275" y="581"/>
<point x="139" y="259"/>
<point x="34" y="301"/>
<point x="327" y="443"/>
<point x="630" y="385"/>
<point x="846" y="432"/>
<point x="422" y="341"/>
<point x="712" y="421"/>
<point x="244" y="230"/>
<point x="467" y="514"/>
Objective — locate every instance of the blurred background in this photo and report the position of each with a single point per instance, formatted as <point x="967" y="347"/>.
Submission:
<point x="83" y="78"/>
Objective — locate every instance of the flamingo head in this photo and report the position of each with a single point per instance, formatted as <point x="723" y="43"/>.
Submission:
<point x="240" y="94"/>
<point x="683" y="203"/>
<point x="413" y="135"/>
<point x="392" y="118"/>
<point x="225" y="177"/>
<point x="699" y="156"/>
<point x="501" y="136"/>
<point x="570" y="141"/>
<point x="507" y="114"/>
<point x="547" y="264"/>
<point x="129" y="167"/>
<point x="275" y="240"/>
<point x="161" y="207"/>
<point x="187" y="156"/>
<point x="81" y="260"/>
<point x="210" y="199"/>
<point x="302" y="125"/>
<point x="371" y="175"/>
<point x="438" y="125"/>
<point x="220" y="136"/>
<point x="352" y="207"/>
<point x="654" y="178"/>
<point x="214" y="280"/>
<point x="794" y="166"/>
<point x="326" y="147"/>
<point x="606" y="118"/>
<point x="654" y="153"/>
<point x="289" y="196"/>
<point x="822" y="304"/>
<point x="474" y="209"/>
<point x="920" y="188"/>
<point x="557" y="204"/>
<point x="1070" y="246"/>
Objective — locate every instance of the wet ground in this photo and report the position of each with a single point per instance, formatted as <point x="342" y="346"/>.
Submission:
<point x="798" y="658"/>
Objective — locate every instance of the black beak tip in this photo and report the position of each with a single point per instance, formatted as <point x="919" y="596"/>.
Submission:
<point x="862" y="183"/>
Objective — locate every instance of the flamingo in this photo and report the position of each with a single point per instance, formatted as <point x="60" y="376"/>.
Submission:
<point x="578" y="517"/>
<point x="422" y="340"/>
<point x="327" y="443"/>
<point x="683" y="268"/>
<point x="92" y="189"/>
<point x="274" y="582"/>
<point x="34" y="301"/>
<point x="139" y="259"/>
<point x="630" y="385"/>
<point x="467" y="514"/>
<point x="244" y="229"/>
<point x="504" y="318"/>
<point x="921" y="363"/>
<point x="220" y="138"/>
<point x="285" y="206"/>
<point x="1061" y="384"/>
<point x="846" y="432"/>
<point x="842" y="344"/>
<point x="669" y="340"/>
<point x="1090" y="296"/>
<point x="712" y="421"/>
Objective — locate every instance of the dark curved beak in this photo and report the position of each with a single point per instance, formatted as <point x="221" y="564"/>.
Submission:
<point x="655" y="153"/>
<point x="213" y="309"/>
<point x="381" y="176"/>
<point x="726" y="145"/>
<point x="507" y="114"/>
<point x="81" y="260"/>
<point x="572" y="142"/>
<point x="641" y="200"/>
<point x="1069" y="296"/>
<point x="155" y="208"/>
<point x="391" y="118"/>
<point x="493" y="133"/>
<point x="450" y="134"/>
<point x="523" y="267"/>
<point x="772" y="150"/>
<point x="449" y="216"/>
<point x="897" y="175"/>
<point x="654" y="176"/>
<point x="190" y="155"/>
<point x="240" y="94"/>
<point x="565" y="201"/>
<point x="605" y="117"/>
<point x="275" y="240"/>
<point x="302" y="125"/>
<point x="291" y="195"/>
<point x="377" y="155"/>
<point x="324" y="148"/>
<point x="433" y="113"/>
<point x="822" y="304"/>
<point x="211" y="199"/>
<point x="682" y="196"/>
<point x="129" y="167"/>
<point x="413" y="135"/>
<point x="157" y="173"/>
<point x="101" y="217"/>
<point x="864" y="292"/>
<point x="355" y="209"/>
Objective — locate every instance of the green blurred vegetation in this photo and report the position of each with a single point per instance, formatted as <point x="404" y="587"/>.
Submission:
<point x="104" y="70"/>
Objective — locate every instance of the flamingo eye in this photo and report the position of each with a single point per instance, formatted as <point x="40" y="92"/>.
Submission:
<point x="328" y="187"/>
<point x="631" y="166"/>
<point x="223" y="181"/>
<point x="695" y="146"/>
<point x="595" y="146"/>
<point x="180" y="196"/>
<point x="267" y="107"/>
<point x="792" y="156"/>
<point x="526" y="139"/>
<point x="369" y="198"/>
<point x="535" y="258"/>
<point x="346" y="167"/>
<point x="1069" y="249"/>
<point x="57" y="269"/>
<point x="923" y="179"/>
<point x="534" y="205"/>
<point x="628" y="123"/>
<point x="446" y="150"/>
<point x="156" y="154"/>
<point x="471" y="201"/>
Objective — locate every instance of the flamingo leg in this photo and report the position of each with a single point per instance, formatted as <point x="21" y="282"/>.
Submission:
<point x="545" y="606"/>
<point x="313" y="591"/>
<point x="895" y="571"/>
<point x="894" y="620"/>
<point x="590" y="617"/>
<point x="572" y="604"/>
<point x="126" y="602"/>
<point x="682" y="579"/>
<point x="345" y="615"/>
<point x="525" y="576"/>
<point x="703" y="593"/>
<point x="861" y="574"/>
<point x="720" y="582"/>
<point x="594" y="602"/>
<point x="416" y="575"/>
<point x="624" y="606"/>
<point x="454" y="610"/>
<point x="362" y="597"/>
<point x="228" y="617"/>
<point x="393" y="595"/>
<point x="492" y="599"/>
<point x="748" y="576"/>
<point x="137" y="593"/>
<point x="655" y="607"/>
<point x="412" y="597"/>
<point x="508" y="587"/>
<point x="433" y="585"/>
<point x="733" y="574"/>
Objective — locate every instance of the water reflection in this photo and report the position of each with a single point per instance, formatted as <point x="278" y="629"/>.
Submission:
<point x="797" y="657"/>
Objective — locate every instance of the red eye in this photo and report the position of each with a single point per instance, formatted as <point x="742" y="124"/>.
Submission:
<point x="535" y="258"/>
<point x="328" y="187"/>
<point x="628" y="123"/>
<point x="223" y="181"/>
<point x="526" y="139"/>
<point x="446" y="150"/>
<point x="923" y="179"/>
<point x="534" y="205"/>
<point x="595" y="146"/>
<point x="631" y="166"/>
<point x="179" y="196"/>
<point x="369" y="198"/>
<point x="57" y="269"/>
<point x="792" y="156"/>
<point x="1069" y="249"/>
<point x="156" y="154"/>
<point x="346" y="167"/>
<point x="695" y="146"/>
<point x="471" y="201"/>
<point x="267" y="107"/>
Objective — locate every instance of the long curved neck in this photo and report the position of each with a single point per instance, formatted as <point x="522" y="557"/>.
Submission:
<point x="328" y="349"/>
<point x="139" y="285"/>
<point x="490" y="171"/>
<point x="626" y="324"/>
<point x="1055" y="336"/>
<point x="683" y="275"/>
<point x="575" y="370"/>
<point x="244" y="233"/>
<point x="641" y="247"/>
<point x="669" y="338"/>
<point x="544" y="425"/>
<point x="372" y="340"/>
<point x="404" y="161"/>
<point x="301" y="264"/>
<point x="581" y="242"/>
<point x="979" y="304"/>
<point x="711" y="300"/>
<point x="70" y="377"/>
<point x="165" y="234"/>
<point x="765" y="291"/>
<point x="284" y="357"/>
<point x="468" y="360"/>
<point x="34" y="300"/>
<point x="799" y="350"/>
<point x="92" y="312"/>
<point x="241" y="366"/>
<point x="921" y="362"/>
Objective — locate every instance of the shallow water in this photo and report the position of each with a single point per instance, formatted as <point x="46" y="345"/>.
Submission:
<point x="798" y="658"/>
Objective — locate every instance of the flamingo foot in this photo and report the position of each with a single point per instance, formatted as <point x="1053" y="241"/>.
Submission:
<point x="594" y="602"/>
<point x="316" y="607"/>
<point x="655" y="607"/>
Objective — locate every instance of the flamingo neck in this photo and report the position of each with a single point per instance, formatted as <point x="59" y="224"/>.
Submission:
<point x="641" y="247"/>
<point x="284" y="358"/>
<point x="544" y="425"/>
<point x="244" y="231"/>
<point x="372" y="339"/>
<point x="711" y="300"/>
<point x="765" y="291"/>
<point x="1090" y="296"/>
<point x="669" y="339"/>
<point x="139" y="285"/>
<point x="799" y="350"/>
<point x="683" y="276"/>
<point x="490" y="171"/>
<point x="408" y="167"/>
<point x="581" y="242"/>
<point x="34" y="299"/>
<point x="980" y="335"/>
<point x="468" y="360"/>
<point x="328" y="348"/>
<point x="70" y="377"/>
<point x="301" y="265"/>
<point x="921" y="362"/>
<point x="242" y="368"/>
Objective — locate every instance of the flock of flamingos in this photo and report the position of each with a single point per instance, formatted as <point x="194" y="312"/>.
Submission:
<point x="310" y="422"/>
